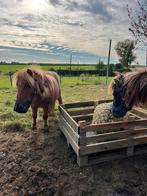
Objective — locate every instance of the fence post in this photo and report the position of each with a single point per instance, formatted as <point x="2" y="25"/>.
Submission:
<point x="10" y="76"/>
<point x="107" y="71"/>
<point x="60" y="79"/>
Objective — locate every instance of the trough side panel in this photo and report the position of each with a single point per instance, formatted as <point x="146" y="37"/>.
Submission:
<point x="79" y="104"/>
<point x="69" y="119"/>
<point x="69" y="138"/>
<point x="114" y="126"/>
<point x="113" y="136"/>
<point x="110" y="145"/>
<point x="80" y="112"/>
<point x="83" y="117"/>
<point x="70" y="130"/>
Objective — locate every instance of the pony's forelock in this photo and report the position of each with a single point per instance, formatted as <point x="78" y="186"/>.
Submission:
<point x="22" y="76"/>
<point x="29" y="79"/>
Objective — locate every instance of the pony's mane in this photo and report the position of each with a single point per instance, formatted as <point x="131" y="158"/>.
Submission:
<point x="136" y="88"/>
<point x="40" y="80"/>
<point x="22" y="75"/>
<point x="112" y="83"/>
<point x="116" y="79"/>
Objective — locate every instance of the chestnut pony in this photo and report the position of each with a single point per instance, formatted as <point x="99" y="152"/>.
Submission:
<point x="129" y="89"/>
<point x="37" y="88"/>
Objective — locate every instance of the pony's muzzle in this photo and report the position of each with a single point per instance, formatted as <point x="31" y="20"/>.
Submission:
<point x="22" y="106"/>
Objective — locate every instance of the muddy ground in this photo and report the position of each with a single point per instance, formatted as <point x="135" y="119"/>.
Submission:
<point x="39" y="163"/>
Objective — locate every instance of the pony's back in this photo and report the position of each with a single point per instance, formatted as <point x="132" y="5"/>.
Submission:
<point x="55" y="75"/>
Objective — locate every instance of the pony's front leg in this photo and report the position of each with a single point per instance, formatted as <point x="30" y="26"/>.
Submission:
<point x="45" y="117"/>
<point x="34" y="116"/>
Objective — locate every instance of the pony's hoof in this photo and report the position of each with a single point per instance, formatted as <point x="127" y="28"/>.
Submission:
<point x="34" y="128"/>
<point x="46" y="129"/>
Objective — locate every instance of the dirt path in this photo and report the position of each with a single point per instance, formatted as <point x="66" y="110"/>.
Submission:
<point x="39" y="163"/>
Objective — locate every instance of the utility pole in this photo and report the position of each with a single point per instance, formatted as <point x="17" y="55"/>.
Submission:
<point x="70" y="61"/>
<point x="146" y="57"/>
<point x="99" y="67"/>
<point x="107" y="74"/>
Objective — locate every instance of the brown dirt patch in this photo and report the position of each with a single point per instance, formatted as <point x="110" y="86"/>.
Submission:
<point x="39" y="163"/>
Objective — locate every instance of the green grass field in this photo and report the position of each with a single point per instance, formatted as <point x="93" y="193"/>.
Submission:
<point x="12" y="68"/>
<point x="70" y="94"/>
<point x="65" y="81"/>
<point x="79" y="80"/>
<point x="74" y="89"/>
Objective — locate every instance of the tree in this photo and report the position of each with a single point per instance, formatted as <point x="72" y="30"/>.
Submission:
<point x="138" y="20"/>
<point x="125" y="50"/>
<point x="100" y="65"/>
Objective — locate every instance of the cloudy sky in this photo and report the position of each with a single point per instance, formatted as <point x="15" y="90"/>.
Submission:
<point x="52" y="30"/>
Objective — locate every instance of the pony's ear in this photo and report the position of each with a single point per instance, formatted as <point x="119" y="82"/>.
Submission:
<point x="29" y="71"/>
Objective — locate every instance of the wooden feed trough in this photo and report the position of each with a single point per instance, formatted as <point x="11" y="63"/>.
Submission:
<point x="120" y="139"/>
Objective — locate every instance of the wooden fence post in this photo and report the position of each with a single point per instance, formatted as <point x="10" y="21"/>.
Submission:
<point x="10" y="76"/>
<point x="82" y="160"/>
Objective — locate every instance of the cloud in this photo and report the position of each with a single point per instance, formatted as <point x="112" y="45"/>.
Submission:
<point x="94" y="7"/>
<point x="55" y="2"/>
<point x="78" y="26"/>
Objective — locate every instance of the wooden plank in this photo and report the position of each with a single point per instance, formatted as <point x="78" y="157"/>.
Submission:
<point x="114" y="125"/>
<point x="69" y="139"/>
<point x="84" y="104"/>
<point x="70" y="130"/>
<point x="83" y="117"/>
<point x="82" y="135"/>
<point x="130" y="149"/>
<point x="104" y="101"/>
<point x="80" y="112"/>
<point x="140" y="140"/>
<point x="79" y="104"/>
<point x="103" y="146"/>
<point x="139" y="113"/>
<point x="82" y="160"/>
<point x="135" y="115"/>
<point x="111" y="145"/>
<point x="113" y="136"/>
<point x="68" y="118"/>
